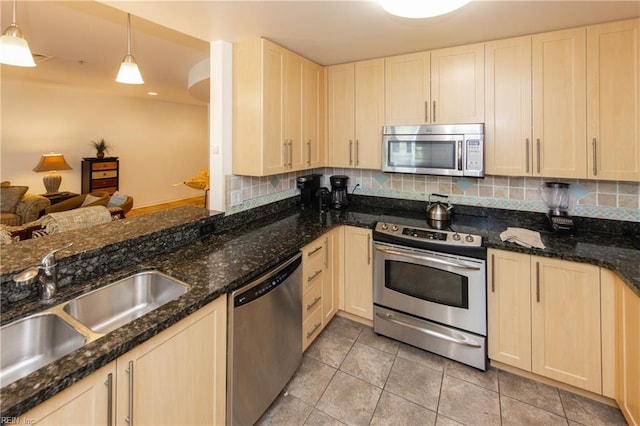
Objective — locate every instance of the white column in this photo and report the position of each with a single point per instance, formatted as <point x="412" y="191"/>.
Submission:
<point x="220" y="121"/>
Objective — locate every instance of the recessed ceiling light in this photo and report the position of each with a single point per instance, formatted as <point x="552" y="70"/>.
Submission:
<point x="421" y="9"/>
<point x="152" y="93"/>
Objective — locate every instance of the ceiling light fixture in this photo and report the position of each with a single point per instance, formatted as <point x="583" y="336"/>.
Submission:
<point x="421" y="9"/>
<point x="14" y="49"/>
<point x="129" y="72"/>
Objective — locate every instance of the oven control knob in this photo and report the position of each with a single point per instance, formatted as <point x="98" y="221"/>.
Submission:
<point x="394" y="228"/>
<point x="384" y="226"/>
<point x="469" y="238"/>
<point x="456" y="237"/>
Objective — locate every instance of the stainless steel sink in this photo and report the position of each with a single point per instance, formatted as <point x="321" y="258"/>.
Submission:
<point x="34" y="342"/>
<point x="107" y="308"/>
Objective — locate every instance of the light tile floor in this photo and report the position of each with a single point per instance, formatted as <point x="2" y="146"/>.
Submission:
<point x="349" y="375"/>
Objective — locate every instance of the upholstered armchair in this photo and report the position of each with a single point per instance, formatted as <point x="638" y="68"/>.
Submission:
<point x="18" y="207"/>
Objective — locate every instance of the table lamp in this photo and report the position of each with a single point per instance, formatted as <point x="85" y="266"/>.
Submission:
<point x="51" y="163"/>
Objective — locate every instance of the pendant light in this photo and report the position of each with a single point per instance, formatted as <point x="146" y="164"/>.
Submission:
<point x="129" y="72"/>
<point x="14" y="49"/>
<point x="421" y="9"/>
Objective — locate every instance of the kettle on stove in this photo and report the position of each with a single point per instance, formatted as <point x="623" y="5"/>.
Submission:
<point x="439" y="215"/>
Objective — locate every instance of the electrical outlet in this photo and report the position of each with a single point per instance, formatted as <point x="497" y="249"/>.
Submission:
<point x="236" y="198"/>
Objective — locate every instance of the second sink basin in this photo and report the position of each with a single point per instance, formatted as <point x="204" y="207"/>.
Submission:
<point x="107" y="308"/>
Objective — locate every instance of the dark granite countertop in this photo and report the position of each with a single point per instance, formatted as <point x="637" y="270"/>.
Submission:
<point x="217" y="264"/>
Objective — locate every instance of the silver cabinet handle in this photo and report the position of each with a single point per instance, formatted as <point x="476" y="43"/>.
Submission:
<point x="309" y="150"/>
<point x="357" y="152"/>
<point x="538" y="282"/>
<point x="285" y="153"/>
<point x="129" y="370"/>
<point x="538" y="152"/>
<point x="368" y="249"/>
<point x="350" y="151"/>
<point x="318" y="272"/>
<point x="312" y="304"/>
<point x="527" y="154"/>
<point x="313" y="330"/>
<point x="290" y="152"/>
<point x="109" y="384"/>
<point x="411" y="255"/>
<point x="493" y="273"/>
<point x="314" y="251"/>
<point x="326" y="252"/>
<point x="461" y="341"/>
<point x="434" y="111"/>
<point x="426" y="111"/>
<point x="594" y="143"/>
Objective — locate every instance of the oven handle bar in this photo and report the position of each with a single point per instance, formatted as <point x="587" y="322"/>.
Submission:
<point x="461" y="341"/>
<point x="387" y="250"/>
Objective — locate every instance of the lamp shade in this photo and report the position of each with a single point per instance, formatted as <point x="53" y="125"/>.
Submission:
<point x="129" y="72"/>
<point x="51" y="162"/>
<point x="421" y="9"/>
<point x="14" y="49"/>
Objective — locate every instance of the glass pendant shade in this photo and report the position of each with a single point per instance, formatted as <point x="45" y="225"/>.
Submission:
<point x="421" y="9"/>
<point x="129" y="72"/>
<point x="14" y="49"/>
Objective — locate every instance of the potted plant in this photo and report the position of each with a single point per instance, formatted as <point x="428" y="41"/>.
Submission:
<point x="101" y="147"/>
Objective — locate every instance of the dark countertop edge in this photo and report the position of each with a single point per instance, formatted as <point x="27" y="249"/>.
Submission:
<point x="112" y="346"/>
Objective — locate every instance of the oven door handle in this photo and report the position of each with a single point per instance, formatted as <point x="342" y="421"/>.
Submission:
<point x="387" y="250"/>
<point x="463" y="340"/>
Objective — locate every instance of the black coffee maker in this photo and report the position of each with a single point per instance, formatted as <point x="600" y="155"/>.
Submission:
<point x="339" y="198"/>
<point x="308" y="186"/>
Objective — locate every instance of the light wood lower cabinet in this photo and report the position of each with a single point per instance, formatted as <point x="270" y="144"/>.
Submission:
<point x="178" y="376"/>
<point x="557" y="304"/>
<point x="358" y="272"/>
<point x="88" y="402"/>
<point x="628" y="344"/>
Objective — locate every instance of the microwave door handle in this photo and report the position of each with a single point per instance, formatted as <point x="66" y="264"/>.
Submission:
<point x="410" y="255"/>
<point x="459" y="155"/>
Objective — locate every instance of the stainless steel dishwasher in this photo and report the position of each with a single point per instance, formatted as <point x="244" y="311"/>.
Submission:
<point x="265" y="341"/>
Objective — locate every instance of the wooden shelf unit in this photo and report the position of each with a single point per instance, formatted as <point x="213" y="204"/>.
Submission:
<point x="100" y="174"/>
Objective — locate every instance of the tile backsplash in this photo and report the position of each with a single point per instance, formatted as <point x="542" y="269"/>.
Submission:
<point x="588" y="198"/>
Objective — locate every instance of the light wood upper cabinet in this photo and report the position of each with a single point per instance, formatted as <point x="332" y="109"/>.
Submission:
<point x="358" y="273"/>
<point x="188" y="359"/>
<point x="457" y="85"/>
<point x="313" y="115"/>
<point x="559" y="103"/>
<point x="272" y="122"/>
<point x="355" y="104"/>
<point x="613" y="100"/>
<point x="407" y="89"/>
<point x="508" y="147"/>
<point x="565" y="319"/>
<point x="509" y="306"/>
<point x="87" y="402"/>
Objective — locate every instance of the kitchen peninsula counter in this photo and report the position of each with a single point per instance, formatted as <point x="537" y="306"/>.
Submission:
<point x="237" y="252"/>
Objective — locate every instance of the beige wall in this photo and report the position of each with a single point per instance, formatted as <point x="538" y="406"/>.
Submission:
<point x="158" y="143"/>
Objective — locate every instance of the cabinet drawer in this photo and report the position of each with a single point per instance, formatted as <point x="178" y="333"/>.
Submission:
<point x="103" y="183"/>
<point x="311" y="300"/>
<point x="311" y="327"/>
<point x="104" y="174"/>
<point x="315" y="251"/>
<point x="312" y="275"/>
<point x="104" y="166"/>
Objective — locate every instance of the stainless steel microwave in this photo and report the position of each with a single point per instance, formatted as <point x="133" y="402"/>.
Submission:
<point x="439" y="149"/>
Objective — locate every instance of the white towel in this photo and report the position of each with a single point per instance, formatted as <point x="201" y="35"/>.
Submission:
<point x="523" y="237"/>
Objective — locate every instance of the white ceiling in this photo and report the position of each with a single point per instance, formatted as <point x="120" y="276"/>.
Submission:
<point x="87" y="39"/>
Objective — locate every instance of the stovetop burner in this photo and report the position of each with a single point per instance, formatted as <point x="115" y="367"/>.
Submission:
<point x="448" y="241"/>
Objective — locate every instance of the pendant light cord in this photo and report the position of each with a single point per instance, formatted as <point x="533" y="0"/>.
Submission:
<point x="14" y="12"/>
<point x="128" y="33"/>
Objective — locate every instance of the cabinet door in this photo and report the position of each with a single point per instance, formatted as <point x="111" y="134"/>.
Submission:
<point x="369" y="113"/>
<point x="178" y="376"/>
<point x="613" y="100"/>
<point x="565" y="319"/>
<point x="88" y="402"/>
<point x="358" y="274"/>
<point x="559" y="103"/>
<point x="628" y="394"/>
<point x="330" y="298"/>
<point x="407" y="89"/>
<point x="457" y="85"/>
<point x="293" y="86"/>
<point x="508" y="107"/>
<point x="311" y="115"/>
<point x="341" y="118"/>
<point x="275" y="150"/>
<point x="509" y="308"/>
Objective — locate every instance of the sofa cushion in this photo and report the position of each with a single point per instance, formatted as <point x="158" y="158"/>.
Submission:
<point x="89" y="199"/>
<point x="117" y="199"/>
<point x="10" y="196"/>
<point x="10" y="219"/>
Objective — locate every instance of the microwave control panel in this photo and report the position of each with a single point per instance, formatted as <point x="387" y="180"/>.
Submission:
<point x="474" y="154"/>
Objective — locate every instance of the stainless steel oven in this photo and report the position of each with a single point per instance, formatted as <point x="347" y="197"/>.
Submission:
<point x="430" y="291"/>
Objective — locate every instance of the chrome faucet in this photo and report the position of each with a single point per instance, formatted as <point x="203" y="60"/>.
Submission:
<point x="46" y="273"/>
